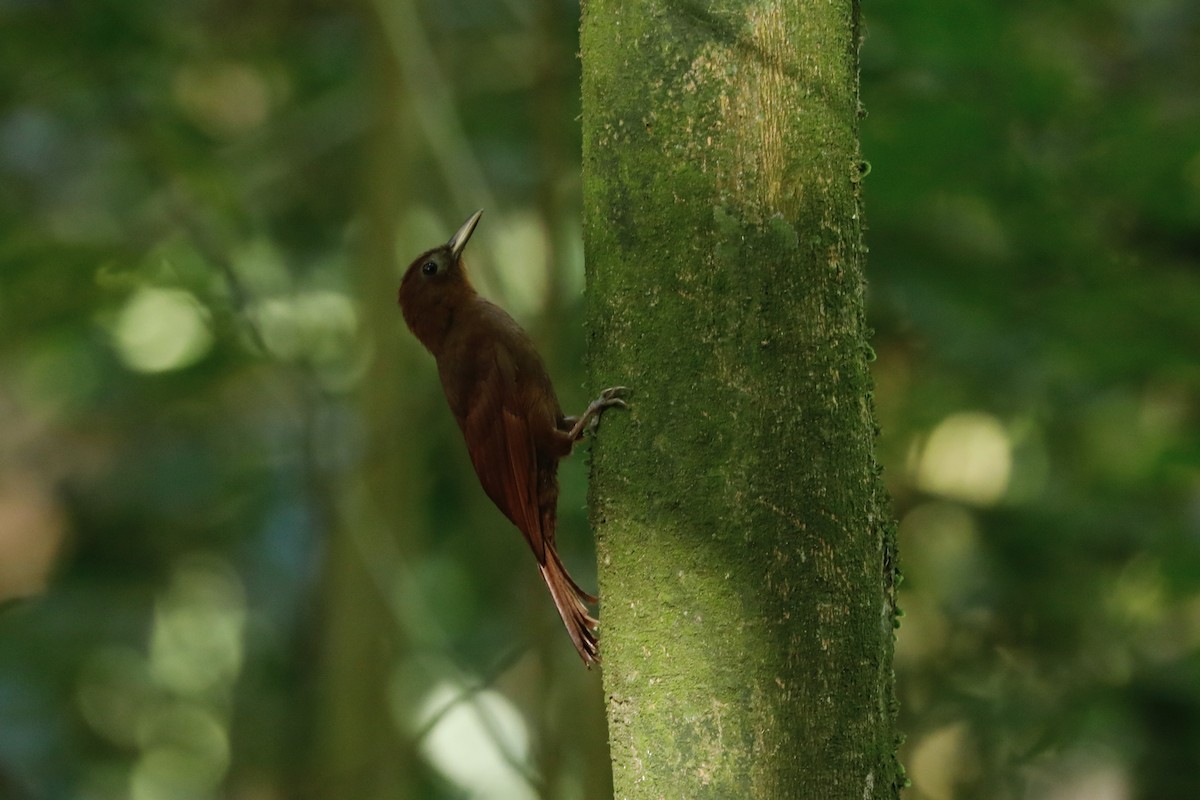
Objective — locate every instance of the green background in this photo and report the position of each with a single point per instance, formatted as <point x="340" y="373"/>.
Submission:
<point x="193" y="334"/>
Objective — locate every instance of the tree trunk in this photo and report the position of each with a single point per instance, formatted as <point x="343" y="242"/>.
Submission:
<point x="744" y="537"/>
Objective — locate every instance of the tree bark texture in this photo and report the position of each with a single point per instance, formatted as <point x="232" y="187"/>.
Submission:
<point x="744" y="537"/>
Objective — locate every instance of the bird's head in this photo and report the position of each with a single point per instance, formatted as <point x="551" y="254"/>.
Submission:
<point x="435" y="283"/>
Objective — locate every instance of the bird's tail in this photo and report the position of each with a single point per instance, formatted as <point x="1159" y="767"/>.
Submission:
<point x="571" y="602"/>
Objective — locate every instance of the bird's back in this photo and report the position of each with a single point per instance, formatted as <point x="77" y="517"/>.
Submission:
<point x="502" y="398"/>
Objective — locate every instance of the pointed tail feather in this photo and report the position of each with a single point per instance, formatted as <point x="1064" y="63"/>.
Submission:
<point x="580" y="593"/>
<point x="571" y="603"/>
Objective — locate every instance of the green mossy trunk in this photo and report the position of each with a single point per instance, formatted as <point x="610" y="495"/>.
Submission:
<point x="744" y="536"/>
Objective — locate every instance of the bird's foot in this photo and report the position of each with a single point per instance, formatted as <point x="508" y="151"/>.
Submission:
<point x="613" y="397"/>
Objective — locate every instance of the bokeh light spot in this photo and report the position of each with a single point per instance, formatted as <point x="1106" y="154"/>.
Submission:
<point x="521" y="251"/>
<point x="33" y="527"/>
<point x="940" y="760"/>
<point x="198" y="622"/>
<point x="115" y="692"/>
<point x="159" y="330"/>
<point x="967" y="457"/>
<point x="1092" y="773"/>
<point x="186" y="754"/>
<point x="317" y="325"/>
<point x="475" y="742"/>
<point x="226" y="98"/>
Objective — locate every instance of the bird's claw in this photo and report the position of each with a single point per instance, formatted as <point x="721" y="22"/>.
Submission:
<point x="609" y="398"/>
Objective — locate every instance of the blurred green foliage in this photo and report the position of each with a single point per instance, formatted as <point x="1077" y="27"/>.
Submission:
<point x="1034" y="216"/>
<point x="208" y="401"/>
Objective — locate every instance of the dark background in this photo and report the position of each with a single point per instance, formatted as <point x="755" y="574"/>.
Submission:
<point x="200" y="357"/>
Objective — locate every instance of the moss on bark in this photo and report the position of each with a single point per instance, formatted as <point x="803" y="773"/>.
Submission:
<point x="743" y="534"/>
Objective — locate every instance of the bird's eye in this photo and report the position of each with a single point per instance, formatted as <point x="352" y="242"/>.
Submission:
<point x="429" y="268"/>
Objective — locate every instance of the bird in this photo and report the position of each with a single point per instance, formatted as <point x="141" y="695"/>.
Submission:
<point x="503" y="400"/>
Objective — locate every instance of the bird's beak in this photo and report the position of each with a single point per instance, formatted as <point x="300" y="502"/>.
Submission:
<point x="459" y="240"/>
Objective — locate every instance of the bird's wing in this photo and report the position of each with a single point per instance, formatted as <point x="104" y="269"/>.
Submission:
<point x="502" y="447"/>
<point x="499" y="438"/>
